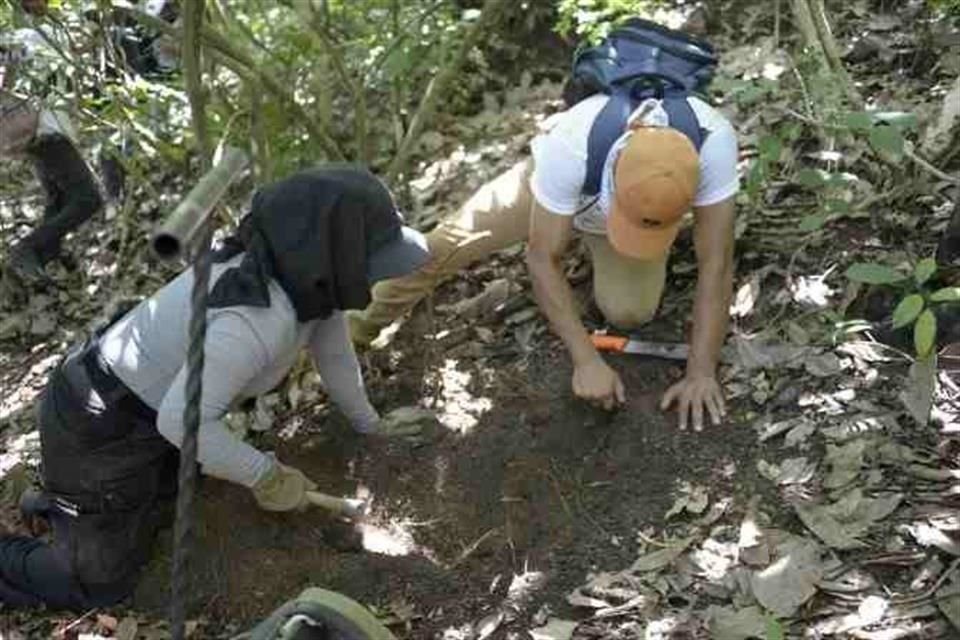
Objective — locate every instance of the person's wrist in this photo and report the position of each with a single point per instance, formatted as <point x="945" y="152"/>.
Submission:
<point x="585" y="357"/>
<point x="699" y="370"/>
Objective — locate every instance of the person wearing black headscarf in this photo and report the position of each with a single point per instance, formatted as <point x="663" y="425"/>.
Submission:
<point x="111" y="414"/>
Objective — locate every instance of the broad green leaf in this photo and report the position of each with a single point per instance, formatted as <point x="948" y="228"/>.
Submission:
<point x="874" y="273"/>
<point x="759" y="171"/>
<point x="750" y="94"/>
<point x="925" y="333"/>
<point x="908" y="310"/>
<point x="774" y="628"/>
<point x="918" y="392"/>
<point x="768" y="84"/>
<point x="756" y="177"/>
<point x="947" y="294"/>
<point x="790" y="131"/>
<point x="770" y="148"/>
<point x="656" y="560"/>
<point x="901" y="119"/>
<point x="924" y="270"/>
<point x="813" y="222"/>
<point x="859" y="121"/>
<point x="812" y="178"/>
<point x="888" y="139"/>
<point x="836" y="205"/>
<point x="842" y="179"/>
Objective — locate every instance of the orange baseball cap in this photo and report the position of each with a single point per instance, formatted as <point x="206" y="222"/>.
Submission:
<point x="655" y="179"/>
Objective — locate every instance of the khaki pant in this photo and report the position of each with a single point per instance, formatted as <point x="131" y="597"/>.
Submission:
<point x="496" y="217"/>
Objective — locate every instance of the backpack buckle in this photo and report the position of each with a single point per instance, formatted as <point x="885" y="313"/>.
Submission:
<point x="72" y="509"/>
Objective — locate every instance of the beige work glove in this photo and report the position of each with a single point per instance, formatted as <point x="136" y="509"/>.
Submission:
<point x="413" y="425"/>
<point x="283" y="488"/>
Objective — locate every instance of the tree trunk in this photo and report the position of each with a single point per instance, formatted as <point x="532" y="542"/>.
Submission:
<point x="193" y="77"/>
<point x="438" y="86"/>
<point x="811" y="18"/>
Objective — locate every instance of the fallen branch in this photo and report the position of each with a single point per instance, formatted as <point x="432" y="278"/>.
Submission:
<point x="73" y="625"/>
<point x="926" y="166"/>
<point x="928" y="593"/>
<point x="943" y="136"/>
<point x="470" y="550"/>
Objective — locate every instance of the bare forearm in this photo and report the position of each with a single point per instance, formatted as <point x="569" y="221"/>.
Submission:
<point x="710" y="317"/>
<point x="555" y="298"/>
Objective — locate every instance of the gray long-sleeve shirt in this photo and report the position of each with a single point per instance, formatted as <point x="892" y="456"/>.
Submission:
<point x="248" y="352"/>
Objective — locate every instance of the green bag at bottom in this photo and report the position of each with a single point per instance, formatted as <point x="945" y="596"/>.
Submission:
<point x="318" y="614"/>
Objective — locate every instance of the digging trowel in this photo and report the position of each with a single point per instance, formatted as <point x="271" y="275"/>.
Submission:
<point x="347" y="507"/>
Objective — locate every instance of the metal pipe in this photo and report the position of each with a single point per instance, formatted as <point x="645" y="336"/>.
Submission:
<point x="179" y="233"/>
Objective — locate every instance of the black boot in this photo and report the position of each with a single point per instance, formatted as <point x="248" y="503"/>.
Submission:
<point x="26" y="264"/>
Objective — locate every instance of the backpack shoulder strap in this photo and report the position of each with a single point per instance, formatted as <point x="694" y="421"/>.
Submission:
<point x="683" y="119"/>
<point x="611" y="121"/>
<point x="606" y="128"/>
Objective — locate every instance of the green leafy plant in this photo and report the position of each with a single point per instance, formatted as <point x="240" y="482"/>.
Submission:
<point x="835" y="189"/>
<point x="293" y="82"/>
<point x="916" y="307"/>
<point x="774" y="629"/>
<point x="591" y="20"/>
<point x="883" y="129"/>
<point x="771" y="148"/>
<point x="949" y="7"/>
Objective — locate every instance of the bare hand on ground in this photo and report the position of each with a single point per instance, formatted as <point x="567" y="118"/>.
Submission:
<point x="598" y="384"/>
<point x="692" y="395"/>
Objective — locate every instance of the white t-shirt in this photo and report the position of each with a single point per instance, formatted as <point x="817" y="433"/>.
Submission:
<point x="560" y="161"/>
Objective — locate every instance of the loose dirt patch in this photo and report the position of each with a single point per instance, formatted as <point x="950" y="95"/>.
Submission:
<point x="541" y="482"/>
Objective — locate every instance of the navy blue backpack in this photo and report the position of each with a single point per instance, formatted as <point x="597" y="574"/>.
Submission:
<point x="640" y="60"/>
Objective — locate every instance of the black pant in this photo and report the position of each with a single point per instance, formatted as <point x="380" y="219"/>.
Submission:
<point x="72" y="193"/>
<point x="109" y="482"/>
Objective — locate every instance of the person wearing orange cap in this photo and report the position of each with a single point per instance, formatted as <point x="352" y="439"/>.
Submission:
<point x="652" y="176"/>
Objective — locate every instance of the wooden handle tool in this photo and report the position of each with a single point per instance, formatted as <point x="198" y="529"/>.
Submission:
<point x="352" y="508"/>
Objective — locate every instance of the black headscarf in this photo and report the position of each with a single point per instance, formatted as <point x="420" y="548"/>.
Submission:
<point x="312" y="233"/>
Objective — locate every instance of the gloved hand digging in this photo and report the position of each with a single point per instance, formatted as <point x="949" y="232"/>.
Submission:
<point x="283" y="488"/>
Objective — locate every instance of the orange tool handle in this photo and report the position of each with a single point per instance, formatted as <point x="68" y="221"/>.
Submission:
<point x="615" y="344"/>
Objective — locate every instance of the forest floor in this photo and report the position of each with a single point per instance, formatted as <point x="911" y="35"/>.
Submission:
<point x="819" y="509"/>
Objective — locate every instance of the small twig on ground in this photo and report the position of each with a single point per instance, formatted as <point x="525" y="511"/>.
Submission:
<point x="78" y="621"/>
<point x="583" y="509"/>
<point x="653" y="542"/>
<point x="556" y="486"/>
<point x="807" y="101"/>
<point x="430" y="364"/>
<point x="470" y="550"/>
<point x="923" y="595"/>
<point x="926" y="166"/>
